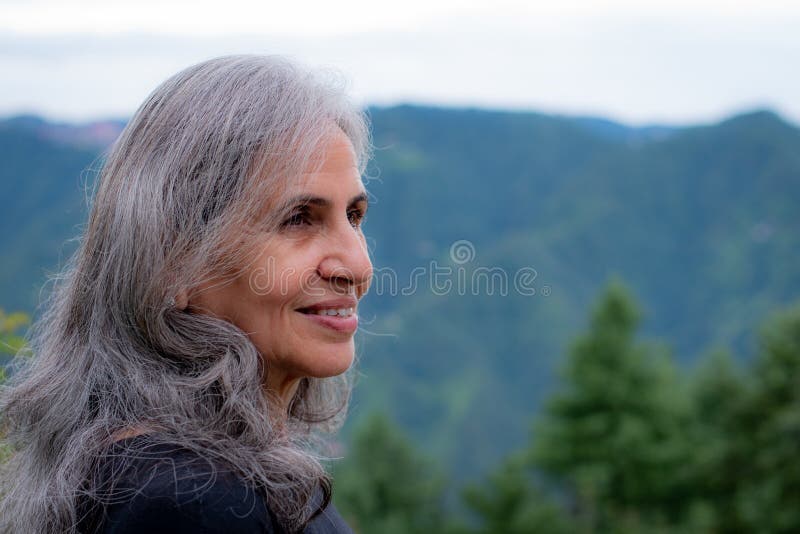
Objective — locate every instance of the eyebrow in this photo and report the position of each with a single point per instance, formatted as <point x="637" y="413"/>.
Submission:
<point x="324" y="202"/>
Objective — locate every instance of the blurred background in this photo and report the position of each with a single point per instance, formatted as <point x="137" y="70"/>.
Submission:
<point x="610" y="194"/>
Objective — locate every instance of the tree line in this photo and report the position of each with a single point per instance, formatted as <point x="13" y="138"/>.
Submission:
<point x="628" y="443"/>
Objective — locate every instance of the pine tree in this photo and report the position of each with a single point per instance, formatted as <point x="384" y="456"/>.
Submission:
<point x="769" y="500"/>
<point x="719" y="454"/>
<point x="385" y="486"/>
<point x="509" y="502"/>
<point x="614" y="437"/>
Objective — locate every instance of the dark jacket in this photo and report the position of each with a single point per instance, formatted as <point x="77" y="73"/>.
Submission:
<point x="166" y="489"/>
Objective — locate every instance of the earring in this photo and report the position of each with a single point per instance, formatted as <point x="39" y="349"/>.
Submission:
<point x="171" y="302"/>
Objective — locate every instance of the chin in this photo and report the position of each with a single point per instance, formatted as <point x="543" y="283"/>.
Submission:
<point x="330" y="361"/>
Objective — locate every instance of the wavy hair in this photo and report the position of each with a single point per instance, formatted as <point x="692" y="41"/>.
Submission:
<point x="204" y="158"/>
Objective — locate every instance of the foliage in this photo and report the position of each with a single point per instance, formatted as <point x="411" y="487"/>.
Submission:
<point x="10" y="324"/>
<point x="625" y="445"/>
<point x="614" y="437"/>
<point x="11" y="342"/>
<point x="387" y="487"/>
<point x="719" y="392"/>
<point x="509" y="502"/>
<point x="770" y="493"/>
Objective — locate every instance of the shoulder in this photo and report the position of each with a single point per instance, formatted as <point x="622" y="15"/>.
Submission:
<point x="328" y="521"/>
<point x="171" y="489"/>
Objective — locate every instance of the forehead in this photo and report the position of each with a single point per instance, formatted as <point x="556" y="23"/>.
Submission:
<point x="331" y="169"/>
<point x="333" y="165"/>
<point x="334" y="155"/>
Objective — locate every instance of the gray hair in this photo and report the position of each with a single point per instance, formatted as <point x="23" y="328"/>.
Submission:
<point x="111" y="353"/>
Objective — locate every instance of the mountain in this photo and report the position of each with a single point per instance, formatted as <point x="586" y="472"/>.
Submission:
<point x="531" y="214"/>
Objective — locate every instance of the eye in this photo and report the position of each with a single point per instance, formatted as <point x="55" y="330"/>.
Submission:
<point x="299" y="217"/>
<point x="356" y="217"/>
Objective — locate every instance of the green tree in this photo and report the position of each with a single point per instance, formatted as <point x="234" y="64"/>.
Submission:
<point x="770" y="493"/>
<point x="614" y="437"/>
<point x="720" y="460"/>
<point x="385" y="486"/>
<point x="509" y="502"/>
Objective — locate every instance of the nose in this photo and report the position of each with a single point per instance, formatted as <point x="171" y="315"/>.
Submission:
<point x="346" y="263"/>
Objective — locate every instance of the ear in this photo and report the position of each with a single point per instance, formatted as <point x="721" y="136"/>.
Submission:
<point x="182" y="299"/>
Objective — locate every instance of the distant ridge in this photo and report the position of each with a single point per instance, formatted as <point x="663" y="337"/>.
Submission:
<point x="100" y="134"/>
<point x="616" y="131"/>
<point x="95" y="135"/>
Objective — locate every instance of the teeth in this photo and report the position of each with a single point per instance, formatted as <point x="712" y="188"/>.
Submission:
<point x="341" y="312"/>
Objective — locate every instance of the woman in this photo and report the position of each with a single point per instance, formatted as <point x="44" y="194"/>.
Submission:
<point x="197" y="342"/>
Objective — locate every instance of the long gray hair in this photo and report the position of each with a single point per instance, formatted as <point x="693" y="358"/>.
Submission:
<point x="182" y="194"/>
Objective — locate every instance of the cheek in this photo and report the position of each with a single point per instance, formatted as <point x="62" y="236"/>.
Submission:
<point x="263" y="298"/>
<point x="266" y="322"/>
<point x="277" y="282"/>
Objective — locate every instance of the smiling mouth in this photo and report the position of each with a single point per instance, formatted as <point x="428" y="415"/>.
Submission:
<point x="341" y="320"/>
<point x="329" y="312"/>
<point x="342" y="306"/>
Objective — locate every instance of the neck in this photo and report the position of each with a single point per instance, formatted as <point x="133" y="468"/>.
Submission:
<point x="281" y="387"/>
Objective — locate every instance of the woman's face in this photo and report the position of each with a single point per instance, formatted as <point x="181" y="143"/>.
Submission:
<point x="298" y="301"/>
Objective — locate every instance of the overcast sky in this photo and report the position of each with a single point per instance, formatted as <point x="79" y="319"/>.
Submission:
<point x="639" y="62"/>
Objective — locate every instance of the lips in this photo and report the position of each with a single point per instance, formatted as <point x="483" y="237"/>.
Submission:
<point x="334" y="314"/>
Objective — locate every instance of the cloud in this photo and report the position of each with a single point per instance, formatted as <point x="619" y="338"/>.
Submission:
<point x="634" y="68"/>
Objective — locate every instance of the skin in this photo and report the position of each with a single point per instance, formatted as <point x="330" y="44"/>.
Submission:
<point x="319" y="253"/>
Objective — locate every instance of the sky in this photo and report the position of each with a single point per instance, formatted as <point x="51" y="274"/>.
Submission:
<point x="667" y="62"/>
